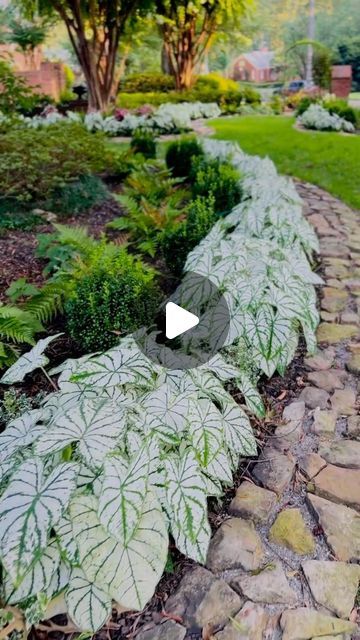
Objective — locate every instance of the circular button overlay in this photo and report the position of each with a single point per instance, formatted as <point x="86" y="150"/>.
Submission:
<point x="190" y="347"/>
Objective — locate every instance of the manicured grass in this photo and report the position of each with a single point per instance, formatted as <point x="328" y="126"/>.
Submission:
<point x="330" y="160"/>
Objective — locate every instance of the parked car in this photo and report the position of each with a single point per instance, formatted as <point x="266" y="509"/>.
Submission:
<point x="290" y="87"/>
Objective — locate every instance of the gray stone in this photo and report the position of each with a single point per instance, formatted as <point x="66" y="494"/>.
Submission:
<point x="269" y="586"/>
<point x="333" y="333"/>
<point x="350" y="317"/>
<point x="342" y="453"/>
<point x="294" y="411"/>
<point x="274" y="470"/>
<point x="311" y="464"/>
<point x="249" y="624"/>
<point x="203" y="599"/>
<point x="341" y="526"/>
<point x="339" y="485"/>
<point x="353" y="426"/>
<point x="286" y="435"/>
<point x="236" y="544"/>
<point x="343" y="401"/>
<point x="334" y="585"/>
<point x="328" y="380"/>
<point x="168" y="630"/>
<point x="253" y="502"/>
<point x="324" y="423"/>
<point x="314" y="397"/>
<point x="304" y="624"/>
<point x="322" y="360"/>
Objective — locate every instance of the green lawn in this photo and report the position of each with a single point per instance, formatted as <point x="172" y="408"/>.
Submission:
<point x="330" y="160"/>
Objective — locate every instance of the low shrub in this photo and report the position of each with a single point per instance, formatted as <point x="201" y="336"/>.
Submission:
<point x="143" y="141"/>
<point x="276" y="104"/>
<point x="115" y="297"/>
<point x="147" y="82"/>
<point x="304" y="104"/>
<point x="35" y="162"/>
<point x="77" y="197"/>
<point x="176" y="243"/>
<point x="16" y="215"/>
<point x="180" y="153"/>
<point x="218" y="178"/>
<point x="215" y="81"/>
<point x="343" y="110"/>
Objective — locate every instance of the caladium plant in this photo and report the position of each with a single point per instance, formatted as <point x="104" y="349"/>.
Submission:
<point x="126" y="452"/>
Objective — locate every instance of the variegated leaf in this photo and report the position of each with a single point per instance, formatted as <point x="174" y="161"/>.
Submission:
<point x="252" y="396"/>
<point x="37" y="579"/>
<point x="89" y="605"/>
<point x="170" y="409"/>
<point x="20" y="432"/>
<point x="29" y="507"/>
<point x="115" y="367"/>
<point x="27" y="363"/>
<point x="130" y="573"/>
<point x="238" y="434"/>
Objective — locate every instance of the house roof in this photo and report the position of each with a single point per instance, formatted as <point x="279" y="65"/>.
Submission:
<point x="259" y="59"/>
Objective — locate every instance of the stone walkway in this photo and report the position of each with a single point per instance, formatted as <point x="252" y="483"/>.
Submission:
<point x="285" y="564"/>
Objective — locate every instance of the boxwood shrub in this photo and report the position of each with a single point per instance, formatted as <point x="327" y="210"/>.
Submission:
<point x="180" y="153"/>
<point x="220" y="179"/>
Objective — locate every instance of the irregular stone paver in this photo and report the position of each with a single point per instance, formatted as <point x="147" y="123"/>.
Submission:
<point x="341" y="526"/>
<point x="286" y="435"/>
<point x="304" y="624"/>
<point x="332" y="333"/>
<point x="342" y="453"/>
<point x="269" y="586"/>
<point x="253" y="502"/>
<point x="322" y="360"/>
<point x="333" y="299"/>
<point x="353" y="426"/>
<point x="274" y="470"/>
<point x="333" y="584"/>
<point x="343" y="401"/>
<point x="328" y="380"/>
<point x="290" y="530"/>
<point x="294" y="411"/>
<point x="203" y="599"/>
<point x="168" y="630"/>
<point x="353" y="364"/>
<point x="339" y="485"/>
<point x="311" y="464"/>
<point x="249" y="624"/>
<point x="314" y="397"/>
<point x="324" y="423"/>
<point x="235" y="544"/>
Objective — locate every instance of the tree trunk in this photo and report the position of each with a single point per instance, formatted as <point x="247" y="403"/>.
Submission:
<point x="185" y="72"/>
<point x="310" y="53"/>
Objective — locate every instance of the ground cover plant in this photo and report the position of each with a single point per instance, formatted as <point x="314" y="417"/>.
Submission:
<point x="316" y="117"/>
<point x="124" y="451"/>
<point x="322" y="158"/>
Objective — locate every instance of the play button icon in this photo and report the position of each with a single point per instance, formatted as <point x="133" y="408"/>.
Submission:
<point x="189" y="328"/>
<point x="178" y="320"/>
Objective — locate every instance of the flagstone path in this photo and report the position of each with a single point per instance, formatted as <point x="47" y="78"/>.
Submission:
<point x="285" y="563"/>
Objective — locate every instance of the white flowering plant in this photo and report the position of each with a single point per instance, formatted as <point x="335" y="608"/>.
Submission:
<point x="317" y="117"/>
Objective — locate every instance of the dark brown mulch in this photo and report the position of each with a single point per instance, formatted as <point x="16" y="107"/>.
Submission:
<point x="17" y="248"/>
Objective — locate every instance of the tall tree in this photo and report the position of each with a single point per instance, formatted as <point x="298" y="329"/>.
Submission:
<point x="188" y="27"/>
<point x="95" y="28"/>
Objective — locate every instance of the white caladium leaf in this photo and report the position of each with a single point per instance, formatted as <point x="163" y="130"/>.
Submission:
<point x="65" y="537"/>
<point x="206" y="430"/>
<point x="115" y="367"/>
<point x="222" y="369"/>
<point x="251" y="395"/>
<point x="95" y="425"/>
<point x="268" y="334"/>
<point x="124" y="488"/>
<point x="130" y="573"/>
<point x="239" y="435"/>
<point x="187" y="507"/>
<point x="29" y="507"/>
<point x="207" y="385"/>
<point x="38" y="577"/>
<point x="20" y="432"/>
<point x="27" y="363"/>
<point x="170" y="409"/>
<point x="89" y="605"/>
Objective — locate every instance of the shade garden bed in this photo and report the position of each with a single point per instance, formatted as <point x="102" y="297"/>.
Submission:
<point x="259" y="256"/>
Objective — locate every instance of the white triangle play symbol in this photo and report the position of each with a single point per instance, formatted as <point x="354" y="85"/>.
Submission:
<point x="178" y="320"/>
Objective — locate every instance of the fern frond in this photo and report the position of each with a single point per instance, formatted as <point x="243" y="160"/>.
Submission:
<point x="77" y="237"/>
<point x="16" y="330"/>
<point x="49" y="301"/>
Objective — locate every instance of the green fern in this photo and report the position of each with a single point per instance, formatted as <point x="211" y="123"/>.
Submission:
<point x="18" y="325"/>
<point x="45" y="304"/>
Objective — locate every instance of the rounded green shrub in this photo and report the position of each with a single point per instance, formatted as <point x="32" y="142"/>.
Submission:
<point x="114" y="297"/>
<point x="220" y="179"/>
<point x="180" y="153"/>
<point x="143" y="141"/>
<point x="147" y="82"/>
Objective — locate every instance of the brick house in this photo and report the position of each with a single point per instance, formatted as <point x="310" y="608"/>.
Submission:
<point x="255" y="66"/>
<point x="43" y="76"/>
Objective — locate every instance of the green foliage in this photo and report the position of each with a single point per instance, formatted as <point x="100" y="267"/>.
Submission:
<point x="35" y="162"/>
<point x="176" y="243"/>
<point x="322" y="67"/>
<point x="304" y="104"/>
<point x="143" y="141"/>
<point x="16" y="215"/>
<point x="14" y="403"/>
<point x="147" y="82"/>
<point x="228" y="100"/>
<point x="153" y="204"/>
<point x="77" y="197"/>
<point x="16" y="326"/>
<point x="276" y="103"/>
<point x="217" y="178"/>
<point x="114" y="297"/>
<point x="27" y="35"/>
<point x="179" y="155"/>
<point x="344" y="110"/>
<point x="14" y="91"/>
<point x="349" y="53"/>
